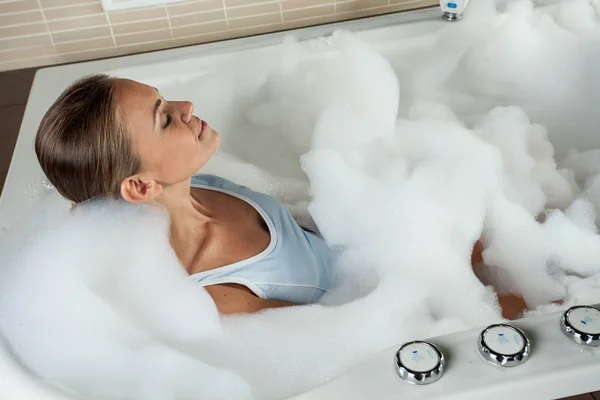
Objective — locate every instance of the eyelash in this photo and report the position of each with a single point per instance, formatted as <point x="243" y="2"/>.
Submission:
<point x="169" y="120"/>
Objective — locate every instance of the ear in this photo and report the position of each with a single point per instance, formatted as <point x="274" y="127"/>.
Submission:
<point x="136" y="190"/>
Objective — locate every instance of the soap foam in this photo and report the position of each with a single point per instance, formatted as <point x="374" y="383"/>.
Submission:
<point x="402" y="159"/>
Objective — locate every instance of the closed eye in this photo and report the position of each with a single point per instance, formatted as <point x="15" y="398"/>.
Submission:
<point x="168" y="121"/>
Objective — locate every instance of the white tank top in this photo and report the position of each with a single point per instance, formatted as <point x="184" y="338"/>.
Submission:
<point x="295" y="266"/>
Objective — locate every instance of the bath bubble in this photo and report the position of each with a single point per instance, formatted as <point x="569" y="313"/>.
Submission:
<point x="402" y="160"/>
<point x="102" y="313"/>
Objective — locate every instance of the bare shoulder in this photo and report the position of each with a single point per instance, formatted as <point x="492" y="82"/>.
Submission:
<point x="235" y="299"/>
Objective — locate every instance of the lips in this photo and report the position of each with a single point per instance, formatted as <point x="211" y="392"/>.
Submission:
<point x="202" y="128"/>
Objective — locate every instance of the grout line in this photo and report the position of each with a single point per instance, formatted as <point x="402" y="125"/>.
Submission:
<point x="84" y="40"/>
<point x="345" y="13"/>
<point x="160" y="30"/>
<point x="193" y="13"/>
<point x="24" y="36"/>
<point x="137" y="33"/>
<point x="225" y="12"/>
<point x="316" y="6"/>
<point x="233" y="33"/>
<point x="139" y="20"/>
<point x="86" y="3"/>
<point x="48" y="8"/>
<point x="52" y="20"/>
<point x="87" y="28"/>
<point x="173" y="39"/>
<point x="254" y="4"/>
<point x="112" y="34"/>
<point x="89" y="51"/>
<point x="309" y="18"/>
<point x="251" y="27"/>
<point x="39" y="3"/>
<point x="194" y="36"/>
<point x="76" y="17"/>
<point x="154" y="19"/>
<point x="199" y="23"/>
<point x="202" y="34"/>
<point x="25" y="59"/>
<point x="168" y="19"/>
<point x="23" y="48"/>
<point x="252" y="16"/>
<point x="281" y="10"/>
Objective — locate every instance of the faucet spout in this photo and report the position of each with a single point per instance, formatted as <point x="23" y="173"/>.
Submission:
<point x="453" y="9"/>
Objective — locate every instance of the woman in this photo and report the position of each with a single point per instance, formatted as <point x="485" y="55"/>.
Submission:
<point x="107" y="136"/>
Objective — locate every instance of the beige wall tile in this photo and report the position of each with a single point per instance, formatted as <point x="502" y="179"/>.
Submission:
<point x="368" y="13"/>
<point x="84" y="45"/>
<point x="23" y="30"/>
<point x="18" y="6"/>
<point x="403" y="5"/>
<point x="137" y="15"/>
<point x="73" y="12"/>
<point x="345" y="16"/>
<point x="294" y="4"/>
<point x="308" y="22"/>
<point x="410" y="4"/>
<point x="90" y="55"/>
<point x="145" y="47"/>
<point x="80" y="30"/>
<point x="30" y="52"/>
<point x="77" y="23"/>
<point x="32" y="62"/>
<point x="256" y="30"/>
<point x="237" y="3"/>
<point x="64" y="3"/>
<point x="143" y="37"/>
<point x="256" y="9"/>
<point x="200" y="29"/>
<point x="81" y="34"/>
<point x="192" y="19"/>
<point x="142" y="26"/>
<point x="312" y="12"/>
<point x="27" y="41"/>
<point x="194" y="7"/>
<point x="254" y="21"/>
<point x="203" y="38"/>
<point x="348" y="6"/>
<point x="21" y="18"/>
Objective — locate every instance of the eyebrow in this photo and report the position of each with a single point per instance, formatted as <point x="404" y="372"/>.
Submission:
<point x="156" y="105"/>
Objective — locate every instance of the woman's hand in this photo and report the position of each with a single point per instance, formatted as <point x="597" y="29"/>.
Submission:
<point x="512" y="305"/>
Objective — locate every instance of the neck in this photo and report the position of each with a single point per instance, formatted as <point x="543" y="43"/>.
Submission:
<point x="187" y="214"/>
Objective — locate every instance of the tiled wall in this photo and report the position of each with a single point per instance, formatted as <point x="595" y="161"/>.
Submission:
<point x="43" y="32"/>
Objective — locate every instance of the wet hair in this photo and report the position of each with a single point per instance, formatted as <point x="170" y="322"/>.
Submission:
<point x="83" y="144"/>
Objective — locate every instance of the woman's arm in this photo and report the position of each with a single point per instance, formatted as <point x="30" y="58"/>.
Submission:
<point x="235" y="299"/>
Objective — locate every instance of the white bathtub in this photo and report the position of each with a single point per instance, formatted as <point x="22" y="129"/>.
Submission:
<point x="557" y="366"/>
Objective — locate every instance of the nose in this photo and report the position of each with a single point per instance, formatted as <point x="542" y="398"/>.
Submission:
<point x="187" y="108"/>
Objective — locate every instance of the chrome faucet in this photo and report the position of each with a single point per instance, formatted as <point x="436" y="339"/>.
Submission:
<point x="453" y="9"/>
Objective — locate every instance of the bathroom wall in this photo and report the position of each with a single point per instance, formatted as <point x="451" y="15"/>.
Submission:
<point x="45" y="32"/>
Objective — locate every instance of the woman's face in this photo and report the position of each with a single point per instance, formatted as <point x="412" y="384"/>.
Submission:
<point x="171" y="142"/>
